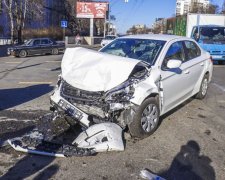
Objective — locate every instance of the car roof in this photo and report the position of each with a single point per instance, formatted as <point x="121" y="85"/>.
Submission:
<point x="209" y="25"/>
<point x="162" y="37"/>
<point x="40" y="38"/>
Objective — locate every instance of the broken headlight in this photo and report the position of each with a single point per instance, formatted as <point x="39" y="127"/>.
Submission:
<point x="121" y="93"/>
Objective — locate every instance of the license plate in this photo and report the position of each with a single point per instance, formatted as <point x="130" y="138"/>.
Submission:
<point x="217" y="57"/>
<point x="71" y="110"/>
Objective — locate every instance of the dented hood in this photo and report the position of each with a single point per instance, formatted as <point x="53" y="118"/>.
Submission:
<point x="95" y="71"/>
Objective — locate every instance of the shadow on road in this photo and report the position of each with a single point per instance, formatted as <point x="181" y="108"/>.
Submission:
<point x="188" y="164"/>
<point x="12" y="97"/>
<point x="23" y="67"/>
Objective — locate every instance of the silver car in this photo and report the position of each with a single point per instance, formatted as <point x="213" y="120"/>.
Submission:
<point x="132" y="81"/>
<point x="108" y="39"/>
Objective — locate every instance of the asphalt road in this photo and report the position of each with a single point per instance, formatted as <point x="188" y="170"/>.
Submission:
<point x="189" y="143"/>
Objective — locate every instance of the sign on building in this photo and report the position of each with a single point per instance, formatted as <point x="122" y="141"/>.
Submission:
<point x="92" y="9"/>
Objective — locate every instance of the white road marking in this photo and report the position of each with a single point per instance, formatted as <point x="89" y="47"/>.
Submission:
<point x="219" y="86"/>
<point x="3" y="119"/>
<point x="13" y="62"/>
<point x="221" y="101"/>
<point x="35" y="83"/>
<point x="53" y="61"/>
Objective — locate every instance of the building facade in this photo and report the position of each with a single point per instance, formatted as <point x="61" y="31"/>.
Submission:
<point x="186" y="6"/>
<point x="53" y="11"/>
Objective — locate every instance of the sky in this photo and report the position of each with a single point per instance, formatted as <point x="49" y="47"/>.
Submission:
<point x="142" y="11"/>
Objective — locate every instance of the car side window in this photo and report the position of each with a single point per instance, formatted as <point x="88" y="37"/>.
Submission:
<point x="192" y="50"/>
<point x="44" y="41"/>
<point x="176" y="51"/>
<point x="36" y="42"/>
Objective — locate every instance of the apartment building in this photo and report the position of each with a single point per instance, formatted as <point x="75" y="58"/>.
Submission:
<point x="186" y="6"/>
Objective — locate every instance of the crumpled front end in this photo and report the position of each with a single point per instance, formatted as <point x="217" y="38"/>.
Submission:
<point x="90" y="107"/>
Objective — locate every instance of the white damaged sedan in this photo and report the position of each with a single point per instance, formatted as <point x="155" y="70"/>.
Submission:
<point x="131" y="81"/>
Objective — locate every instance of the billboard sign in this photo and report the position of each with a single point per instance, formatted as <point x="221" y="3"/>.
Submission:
<point x="92" y="9"/>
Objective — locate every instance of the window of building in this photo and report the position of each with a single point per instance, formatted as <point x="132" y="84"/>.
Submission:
<point x="1" y="6"/>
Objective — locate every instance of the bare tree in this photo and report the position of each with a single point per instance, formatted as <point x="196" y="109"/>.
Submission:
<point x="197" y="7"/>
<point x="19" y="12"/>
<point x="223" y="8"/>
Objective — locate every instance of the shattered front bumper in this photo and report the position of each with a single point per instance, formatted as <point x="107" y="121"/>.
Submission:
<point x="68" y="108"/>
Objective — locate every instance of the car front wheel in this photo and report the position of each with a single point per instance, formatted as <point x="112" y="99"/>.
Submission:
<point x="146" y="119"/>
<point x="203" y="88"/>
<point x="23" y="54"/>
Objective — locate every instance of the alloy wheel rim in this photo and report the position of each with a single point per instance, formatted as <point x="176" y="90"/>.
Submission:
<point x="204" y="86"/>
<point x="22" y="53"/>
<point x="149" y="118"/>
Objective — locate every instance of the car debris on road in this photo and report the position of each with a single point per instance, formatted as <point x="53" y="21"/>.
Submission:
<point x="98" y="138"/>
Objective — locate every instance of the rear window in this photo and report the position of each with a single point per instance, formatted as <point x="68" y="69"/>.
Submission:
<point x="44" y="41"/>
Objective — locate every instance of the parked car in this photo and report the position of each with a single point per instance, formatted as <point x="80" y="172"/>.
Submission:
<point x="132" y="81"/>
<point x="108" y="39"/>
<point x="36" y="46"/>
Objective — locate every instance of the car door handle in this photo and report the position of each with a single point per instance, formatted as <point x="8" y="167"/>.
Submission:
<point x="186" y="72"/>
<point x="202" y="64"/>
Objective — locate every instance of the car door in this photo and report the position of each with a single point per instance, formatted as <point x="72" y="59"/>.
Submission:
<point x="194" y="63"/>
<point x="35" y="48"/>
<point x="174" y="82"/>
<point x="45" y="46"/>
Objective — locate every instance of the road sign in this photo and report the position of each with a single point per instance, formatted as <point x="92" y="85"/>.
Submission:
<point x="64" y="24"/>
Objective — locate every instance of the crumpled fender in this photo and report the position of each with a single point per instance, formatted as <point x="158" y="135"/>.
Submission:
<point x="147" y="87"/>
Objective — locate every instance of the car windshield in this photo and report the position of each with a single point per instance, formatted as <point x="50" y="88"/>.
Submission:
<point x="212" y="33"/>
<point x="110" y="37"/>
<point x="141" y="49"/>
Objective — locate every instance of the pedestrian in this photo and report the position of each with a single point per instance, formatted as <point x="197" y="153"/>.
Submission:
<point x="78" y="39"/>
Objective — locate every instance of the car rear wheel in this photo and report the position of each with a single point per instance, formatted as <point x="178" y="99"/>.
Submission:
<point x="23" y="54"/>
<point x="146" y="119"/>
<point x="55" y="51"/>
<point x="203" y="88"/>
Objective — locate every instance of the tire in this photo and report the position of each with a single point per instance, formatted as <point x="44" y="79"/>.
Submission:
<point x="23" y="54"/>
<point x="220" y="62"/>
<point x="55" y="51"/>
<point x="144" y="124"/>
<point x="203" y="88"/>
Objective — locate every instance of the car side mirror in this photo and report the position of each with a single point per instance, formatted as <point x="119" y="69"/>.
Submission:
<point x="173" y="63"/>
<point x="196" y="37"/>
